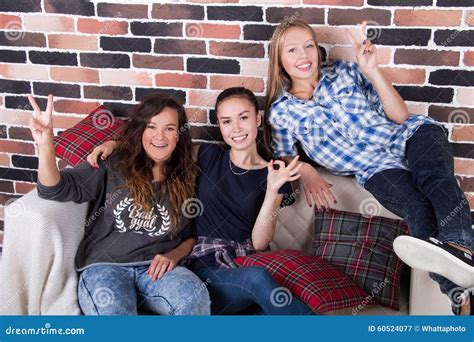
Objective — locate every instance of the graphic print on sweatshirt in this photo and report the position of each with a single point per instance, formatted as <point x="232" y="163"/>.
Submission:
<point x="131" y="217"/>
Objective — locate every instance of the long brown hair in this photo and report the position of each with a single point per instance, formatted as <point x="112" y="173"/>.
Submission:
<point x="179" y="170"/>
<point x="277" y="78"/>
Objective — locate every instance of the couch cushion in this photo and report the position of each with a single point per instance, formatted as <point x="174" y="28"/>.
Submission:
<point x="362" y="248"/>
<point x="74" y="144"/>
<point x="314" y="281"/>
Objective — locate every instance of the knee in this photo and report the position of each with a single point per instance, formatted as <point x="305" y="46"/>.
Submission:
<point x="259" y="275"/>
<point x="186" y="293"/>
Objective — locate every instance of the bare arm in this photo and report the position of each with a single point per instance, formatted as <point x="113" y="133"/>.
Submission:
<point x="264" y="227"/>
<point x="41" y="126"/>
<point x="366" y="55"/>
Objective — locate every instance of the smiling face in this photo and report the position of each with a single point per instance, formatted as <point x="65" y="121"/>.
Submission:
<point x="160" y="136"/>
<point x="238" y="122"/>
<point x="299" y="54"/>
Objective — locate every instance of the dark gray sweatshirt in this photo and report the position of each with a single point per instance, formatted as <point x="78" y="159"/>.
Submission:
<point x="117" y="230"/>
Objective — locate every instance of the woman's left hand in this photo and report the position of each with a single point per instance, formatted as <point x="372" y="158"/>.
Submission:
<point x="289" y="173"/>
<point x="365" y="51"/>
<point x="161" y="264"/>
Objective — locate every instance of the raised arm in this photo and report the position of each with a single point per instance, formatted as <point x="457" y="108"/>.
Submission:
<point x="366" y="56"/>
<point x="264" y="228"/>
<point x="41" y="126"/>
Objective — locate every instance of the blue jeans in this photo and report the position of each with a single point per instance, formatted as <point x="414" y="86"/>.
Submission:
<point x="122" y="290"/>
<point x="234" y="290"/>
<point x="428" y="196"/>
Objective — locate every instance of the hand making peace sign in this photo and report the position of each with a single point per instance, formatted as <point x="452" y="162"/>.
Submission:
<point x="41" y="124"/>
<point x="365" y="51"/>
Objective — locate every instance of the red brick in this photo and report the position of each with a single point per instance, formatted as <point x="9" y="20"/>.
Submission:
<point x="72" y="74"/>
<point x="426" y="57"/>
<point x="72" y="42"/>
<point x="468" y="58"/>
<point x="405" y="76"/>
<point x="20" y="133"/>
<point x="228" y="49"/>
<point x="158" y="62"/>
<point x="121" y="77"/>
<point x="347" y="54"/>
<point x="6" y="186"/>
<point x="335" y="35"/>
<point x="49" y="23"/>
<point x="94" y="26"/>
<point x="463" y="133"/>
<point x="356" y="16"/>
<point x="24" y="71"/>
<point x="23" y="188"/>
<point x="4" y="159"/>
<point x="122" y="11"/>
<point x="470" y="18"/>
<point x="335" y="2"/>
<point x="405" y="17"/>
<point x="10" y="22"/>
<point x="222" y="82"/>
<point x="196" y="115"/>
<point x="74" y="106"/>
<point x="464" y="166"/>
<point x="65" y="122"/>
<point x="200" y="30"/>
<point x="181" y="80"/>
<point x="177" y="11"/>
<point x="203" y="98"/>
<point x="17" y="147"/>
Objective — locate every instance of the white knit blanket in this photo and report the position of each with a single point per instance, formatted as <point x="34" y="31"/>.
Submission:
<point x="37" y="275"/>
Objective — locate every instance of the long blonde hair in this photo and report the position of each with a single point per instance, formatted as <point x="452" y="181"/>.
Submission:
<point x="277" y="78"/>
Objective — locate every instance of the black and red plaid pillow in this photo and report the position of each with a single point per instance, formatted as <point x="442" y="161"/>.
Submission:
<point x="313" y="280"/>
<point x="74" y="144"/>
<point x="362" y="248"/>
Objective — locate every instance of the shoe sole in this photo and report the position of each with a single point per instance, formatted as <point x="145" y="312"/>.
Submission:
<point x="423" y="255"/>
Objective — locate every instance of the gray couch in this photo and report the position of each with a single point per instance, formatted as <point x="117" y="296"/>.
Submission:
<point x="419" y="295"/>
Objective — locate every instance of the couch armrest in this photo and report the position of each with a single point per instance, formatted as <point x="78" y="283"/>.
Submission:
<point x="40" y="243"/>
<point x="425" y="296"/>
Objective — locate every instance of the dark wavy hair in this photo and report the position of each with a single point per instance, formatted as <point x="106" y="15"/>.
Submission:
<point x="246" y="94"/>
<point x="179" y="170"/>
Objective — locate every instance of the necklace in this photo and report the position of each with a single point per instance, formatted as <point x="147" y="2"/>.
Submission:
<point x="235" y="172"/>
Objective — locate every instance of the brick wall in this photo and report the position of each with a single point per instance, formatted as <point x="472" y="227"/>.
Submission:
<point x="86" y="53"/>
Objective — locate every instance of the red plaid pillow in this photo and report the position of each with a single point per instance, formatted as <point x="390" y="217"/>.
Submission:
<point x="361" y="247"/>
<point x="314" y="281"/>
<point x="74" y="144"/>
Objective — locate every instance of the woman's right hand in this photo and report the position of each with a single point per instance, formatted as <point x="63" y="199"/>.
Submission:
<point x="103" y="151"/>
<point x="41" y="124"/>
<point x="315" y="187"/>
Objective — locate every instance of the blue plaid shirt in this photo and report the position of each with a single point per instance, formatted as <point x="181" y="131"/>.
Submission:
<point x="345" y="128"/>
